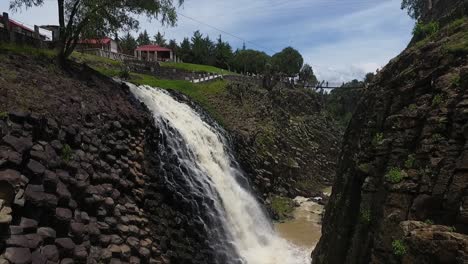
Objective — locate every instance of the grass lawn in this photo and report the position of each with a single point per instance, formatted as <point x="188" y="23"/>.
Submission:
<point x="198" y="92"/>
<point x="26" y="49"/>
<point x="195" y="67"/>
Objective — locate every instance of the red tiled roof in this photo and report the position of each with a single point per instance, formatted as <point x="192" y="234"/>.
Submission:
<point x="152" y="48"/>
<point x="105" y="40"/>
<point x="16" y="24"/>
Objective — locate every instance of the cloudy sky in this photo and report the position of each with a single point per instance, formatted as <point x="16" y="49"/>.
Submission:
<point x="341" y="39"/>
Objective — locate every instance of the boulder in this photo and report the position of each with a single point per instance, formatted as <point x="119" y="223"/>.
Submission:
<point x="35" y="167"/>
<point x="65" y="246"/>
<point x="19" y="144"/>
<point x="51" y="253"/>
<point x="12" y="177"/>
<point x="18" y="255"/>
<point x="63" y="214"/>
<point x="48" y="234"/>
<point x="38" y="257"/>
<point x="50" y="181"/>
<point x="28" y="225"/>
<point x="18" y="116"/>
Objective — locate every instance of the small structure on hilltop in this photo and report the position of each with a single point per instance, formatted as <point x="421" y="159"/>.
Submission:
<point x="154" y="53"/>
<point x="106" y="44"/>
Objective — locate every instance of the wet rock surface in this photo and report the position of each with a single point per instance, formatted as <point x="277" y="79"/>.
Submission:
<point x="401" y="190"/>
<point x="80" y="176"/>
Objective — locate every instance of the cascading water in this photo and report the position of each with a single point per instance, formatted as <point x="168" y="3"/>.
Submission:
<point x="238" y="227"/>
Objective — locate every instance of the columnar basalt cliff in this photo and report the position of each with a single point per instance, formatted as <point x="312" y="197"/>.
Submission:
<point x="284" y="139"/>
<point x="401" y="192"/>
<point x="81" y="173"/>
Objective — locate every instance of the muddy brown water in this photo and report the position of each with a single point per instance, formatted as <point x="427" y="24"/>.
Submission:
<point x="304" y="230"/>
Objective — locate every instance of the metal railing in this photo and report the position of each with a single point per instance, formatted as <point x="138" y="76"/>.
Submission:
<point x="108" y="54"/>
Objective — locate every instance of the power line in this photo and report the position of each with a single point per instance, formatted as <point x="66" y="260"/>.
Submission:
<point x="225" y="32"/>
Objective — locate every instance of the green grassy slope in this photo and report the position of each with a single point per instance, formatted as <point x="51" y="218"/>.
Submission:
<point x="195" y="67"/>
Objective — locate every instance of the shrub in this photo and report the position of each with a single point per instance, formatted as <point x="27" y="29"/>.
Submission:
<point x="378" y="139"/>
<point x="395" y="175"/>
<point x="412" y="107"/>
<point x="422" y="31"/>
<point x="437" y="100"/>
<point x="399" y="248"/>
<point x="365" y="215"/>
<point x="3" y="115"/>
<point x="437" y="137"/>
<point x="456" y="80"/>
<point x="282" y="206"/>
<point x="66" y="153"/>
<point x="429" y="222"/>
<point x="409" y="163"/>
<point x="124" y="74"/>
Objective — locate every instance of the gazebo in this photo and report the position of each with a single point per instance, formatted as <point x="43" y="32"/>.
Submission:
<point x="154" y="53"/>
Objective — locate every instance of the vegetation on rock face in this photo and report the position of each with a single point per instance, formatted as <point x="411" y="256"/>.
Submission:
<point x="422" y="114"/>
<point x="66" y="153"/>
<point x="409" y="163"/>
<point x="378" y="139"/>
<point x="395" y="175"/>
<point x="282" y="207"/>
<point x="399" y="248"/>
<point x="422" y="31"/>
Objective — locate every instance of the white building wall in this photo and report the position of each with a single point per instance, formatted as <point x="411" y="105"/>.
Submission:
<point x="113" y="46"/>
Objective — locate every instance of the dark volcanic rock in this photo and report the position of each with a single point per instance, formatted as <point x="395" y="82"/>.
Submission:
<point x="401" y="187"/>
<point x="35" y="167"/>
<point x="19" y="144"/>
<point x="18" y="255"/>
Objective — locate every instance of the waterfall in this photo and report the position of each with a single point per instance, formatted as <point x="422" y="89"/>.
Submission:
<point x="236" y="222"/>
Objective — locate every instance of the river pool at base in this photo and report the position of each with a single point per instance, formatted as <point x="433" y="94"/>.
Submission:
<point x="304" y="230"/>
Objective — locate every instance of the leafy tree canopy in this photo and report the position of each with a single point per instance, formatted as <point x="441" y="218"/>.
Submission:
<point x="91" y="18"/>
<point x="307" y="76"/>
<point x="252" y="61"/>
<point x="415" y="8"/>
<point x="128" y="44"/>
<point x="143" y="39"/>
<point x="289" y="61"/>
<point x="160" y="40"/>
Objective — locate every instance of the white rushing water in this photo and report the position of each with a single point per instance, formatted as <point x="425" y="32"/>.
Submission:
<point x="243" y="218"/>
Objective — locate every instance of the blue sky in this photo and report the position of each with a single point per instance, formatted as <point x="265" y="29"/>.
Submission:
<point x="341" y="39"/>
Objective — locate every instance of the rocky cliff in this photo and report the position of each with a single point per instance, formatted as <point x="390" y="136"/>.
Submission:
<point x="284" y="139"/>
<point x="81" y="177"/>
<point x="401" y="191"/>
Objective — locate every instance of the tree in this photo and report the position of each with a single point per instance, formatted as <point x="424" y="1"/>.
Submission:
<point x="201" y="48"/>
<point x="251" y="61"/>
<point x="307" y="76"/>
<point x="173" y="45"/>
<point x="369" y="77"/>
<point x="79" y="18"/>
<point x="128" y="44"/>
<point x="289" y="61"/>
<point x="416" y="8"/>
<point x="160" y="40"/>
<point x="143" y="38"/>
<point x="223" y="54"/>
<point x="185" y="51"/>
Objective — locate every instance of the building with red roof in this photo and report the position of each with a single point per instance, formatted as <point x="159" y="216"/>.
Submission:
<point x="17" y="27"/>
<point x="154" y="53"/>
<point x="105" y="43"/>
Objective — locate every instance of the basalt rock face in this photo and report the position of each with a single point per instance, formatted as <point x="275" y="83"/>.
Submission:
<point x="80" y="174"/>
<point x="401" y="195"/>
<point x="283" y="138"/>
